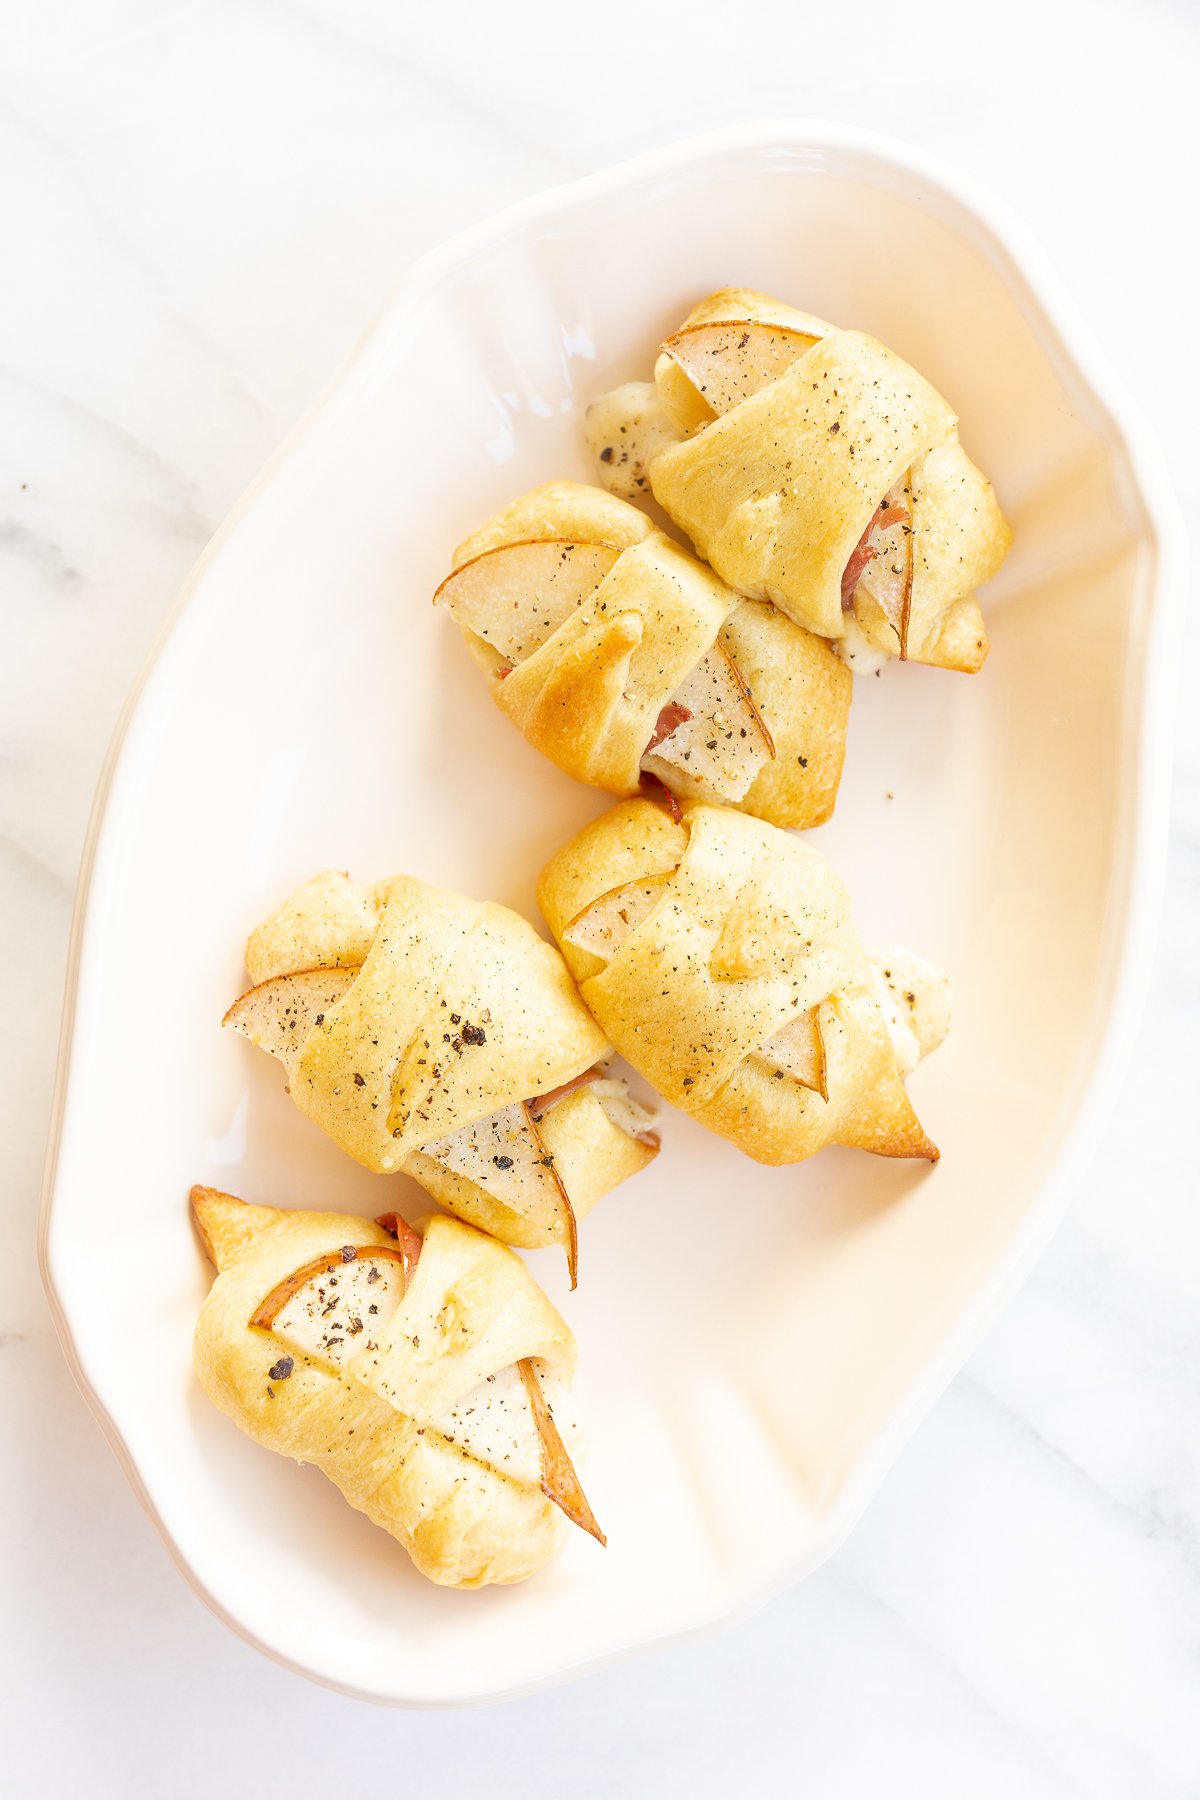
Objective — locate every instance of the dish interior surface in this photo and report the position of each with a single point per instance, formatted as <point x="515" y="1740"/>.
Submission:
<point x="753" y="1342"/>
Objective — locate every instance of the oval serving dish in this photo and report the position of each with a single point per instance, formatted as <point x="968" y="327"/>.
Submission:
<point x="755" y="1343"/>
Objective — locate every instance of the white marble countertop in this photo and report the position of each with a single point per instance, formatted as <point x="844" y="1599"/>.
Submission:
<point x="201" y="205"/>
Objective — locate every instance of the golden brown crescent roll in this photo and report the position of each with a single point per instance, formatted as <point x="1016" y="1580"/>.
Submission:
<point x="619" y="656"/>
<point x="426" y="1374"/>
<point x="719" y="956"/>
<point x="812" y="467"/>
<point x="442" y="1036"/>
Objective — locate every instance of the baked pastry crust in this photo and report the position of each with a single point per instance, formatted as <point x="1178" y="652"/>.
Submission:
<point x="446" y="1012"/>
<point x="381" y="1422"/>
<point x="744" y="932"/>
<point x="778" y="489"/>
<point x="592" y="694"/>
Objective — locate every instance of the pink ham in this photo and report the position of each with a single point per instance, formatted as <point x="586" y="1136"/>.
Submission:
<point x="657" y="791"/>
<point x="670" y="719"/>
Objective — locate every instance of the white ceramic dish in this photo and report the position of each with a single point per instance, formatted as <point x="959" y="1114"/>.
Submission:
<point x="756" y="1344"/>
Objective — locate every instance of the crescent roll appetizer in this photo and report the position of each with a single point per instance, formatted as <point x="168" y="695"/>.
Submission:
<point x="441" y="1036"/>
<point x="425" y="1373"/>
<point x="621" y="657"/>
<point x="719" y="955"/>
<point x="812" y="467"/>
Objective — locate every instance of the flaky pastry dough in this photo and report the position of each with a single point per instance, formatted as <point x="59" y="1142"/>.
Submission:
<point x="439" y="1035"/>
<point x="404" y="1372"/>
<point x="719" y="955"/>
<point x="813" y="467"/>
<point x="618" y="655"/>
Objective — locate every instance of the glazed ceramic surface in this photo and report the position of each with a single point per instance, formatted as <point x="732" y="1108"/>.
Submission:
<point x="755" y="1344"/>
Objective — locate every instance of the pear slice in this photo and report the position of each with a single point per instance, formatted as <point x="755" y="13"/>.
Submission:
<point x="720" y="741"/>
<point x="517" y="595"/>
<point x="506" y="1422"/>
<point x="603" y="926"/>
<point x="505" y="1155"/>
<point x="280" y="1015"/>
<point x="799" y="1051"/>
<point x="560" y="1483"/>
<point x="330" y="1308"/>
<point x="728" y="360"/>
<point x="878" y="579"/>
<point x="493" y="1423"/>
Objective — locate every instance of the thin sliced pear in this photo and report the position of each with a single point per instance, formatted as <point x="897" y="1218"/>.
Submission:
<point x="330" y="1308"/>
<point x="884" y="564"/>
<point x="720" y="742"/>
<point x="728" y="360"/>
<point x="505" y="1155"/>
<point x="603" y="926"/>
<point x="560" y="1483"/>
<point x="280" y="1015"/>
<point x="799" y="1051"/>
<point x="493" y="1423"/>
<point x="517" y="596"/>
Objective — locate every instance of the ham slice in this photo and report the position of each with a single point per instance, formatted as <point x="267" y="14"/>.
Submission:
<point x="658" y="793"/>
<point x="669" y="719"/>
